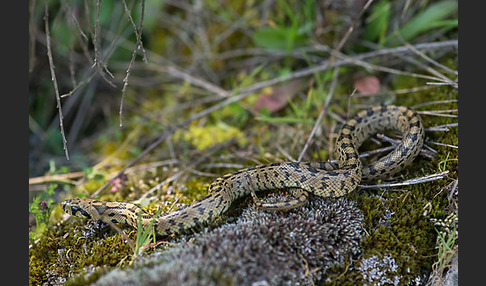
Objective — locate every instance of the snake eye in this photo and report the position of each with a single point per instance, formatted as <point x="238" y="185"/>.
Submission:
<point x="66" y="207"/>
<point x="73" y="209"/>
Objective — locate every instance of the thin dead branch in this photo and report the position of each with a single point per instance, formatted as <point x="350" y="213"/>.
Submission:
<point x="442" y="113"/>
<point x="195" y="81"/>
<point x="98" y="61"/>
<point x="433" y="103"/>
<point x="352" y="27"/>
<point x="443" y="127"/>
<point x="429" y="60"/>
<point x="418" y="180"/>
<point x="318" y="122"/>
<point x="177" y="175"/>
<point x="442" y="144"/>
<point x="166" y="135"/>
<point x="66" y="178"/>
<point x="138" y="45"/>
<point x="325" y="65"/>
<point x="54" y="80"/>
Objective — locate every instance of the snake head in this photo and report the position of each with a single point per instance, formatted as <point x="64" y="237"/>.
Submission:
<point x="77" y="207"/>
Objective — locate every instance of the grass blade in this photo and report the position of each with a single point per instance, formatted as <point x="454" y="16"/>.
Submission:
<point x="429" y="19"/>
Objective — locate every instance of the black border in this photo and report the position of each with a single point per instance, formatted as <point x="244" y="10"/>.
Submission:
<point x="472" y="126"/>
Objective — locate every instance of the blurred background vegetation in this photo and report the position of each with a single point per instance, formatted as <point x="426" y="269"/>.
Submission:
<point x="221" y="42"/>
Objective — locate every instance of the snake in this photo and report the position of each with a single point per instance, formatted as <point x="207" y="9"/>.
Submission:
<point x="324" y="179"/>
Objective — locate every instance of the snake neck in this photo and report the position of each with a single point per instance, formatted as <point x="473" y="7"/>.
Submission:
<point x="192" y="215"/>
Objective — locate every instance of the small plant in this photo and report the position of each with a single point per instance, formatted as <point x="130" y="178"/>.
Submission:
<point x="41" y="208"/>
<point x="434" y="17"/>
<point x="144" y="235"/>
<point x="446" y="242"/>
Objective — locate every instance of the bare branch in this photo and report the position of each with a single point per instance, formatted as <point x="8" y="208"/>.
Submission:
<point x="443" y="127"/>
<point x="98" y="61"/>
<point x="353" y="26"/>
<point x="433" y="102"/>
<point x="138" y="45"/>
<point x="180" y="173"/>
<point x="54" y="80"/>
<point x="318" y="122"/>
<point x="419" y="180"/>
<point x="442" y="144"/>
<point x="177" y="73"/>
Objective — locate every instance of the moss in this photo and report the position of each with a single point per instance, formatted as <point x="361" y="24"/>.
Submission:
<point x="67" y="249"/>
<point x="259" y="247"/>
<point x="398" y="221"/>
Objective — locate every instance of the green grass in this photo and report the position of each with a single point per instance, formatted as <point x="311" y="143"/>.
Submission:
<point x="41" y="208"/>
<point x="447" y="243"/>
<point x="144" y="235"/>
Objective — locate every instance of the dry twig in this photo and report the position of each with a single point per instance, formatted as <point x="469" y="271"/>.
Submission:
<point x="180" y="173"/>
<point x="418" y="180"/>
<point x="138" y="45"/>
<point x="98" y="61"/>
<point x="318" y="122"/>
<point x="54" y="80"/>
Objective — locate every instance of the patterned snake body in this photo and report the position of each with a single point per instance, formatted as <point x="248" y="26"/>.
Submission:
<point x="320" y="178"/>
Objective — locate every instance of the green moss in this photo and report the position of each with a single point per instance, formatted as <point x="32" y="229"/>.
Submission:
<point x="69" y="249"/>
<point x="194" y="189"/>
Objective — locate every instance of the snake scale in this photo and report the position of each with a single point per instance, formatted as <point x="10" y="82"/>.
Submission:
<point x="320" y="178"/>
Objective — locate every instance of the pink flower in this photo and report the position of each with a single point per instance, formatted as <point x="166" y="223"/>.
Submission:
<point x="118" y="182"/>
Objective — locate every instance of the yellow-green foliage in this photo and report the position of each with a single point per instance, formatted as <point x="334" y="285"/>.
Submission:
<point x="212" y="135"/>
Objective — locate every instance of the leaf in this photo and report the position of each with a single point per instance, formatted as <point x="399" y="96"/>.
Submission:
<point x="377" y="22"/>
<point x="284" y="120"/>
<point x="276" y="98"/>
<point x="279" y="38"/>
<point x="429" y="19"/>
<point x="367" y="85"/>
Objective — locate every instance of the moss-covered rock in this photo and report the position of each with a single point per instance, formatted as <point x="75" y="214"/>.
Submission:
<point x="294" y="249"/>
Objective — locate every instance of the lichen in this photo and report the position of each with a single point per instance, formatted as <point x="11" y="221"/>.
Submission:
<point x="377" y="271"/>
<point x="260" y="247"/>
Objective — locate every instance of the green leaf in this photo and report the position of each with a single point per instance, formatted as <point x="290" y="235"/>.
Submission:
<point x="284" y="120"/>
<point x="431" y="18"/>
<point x="143" y="235"/>
<point x="377" y="22"/>
<point x="279" y="38"/>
